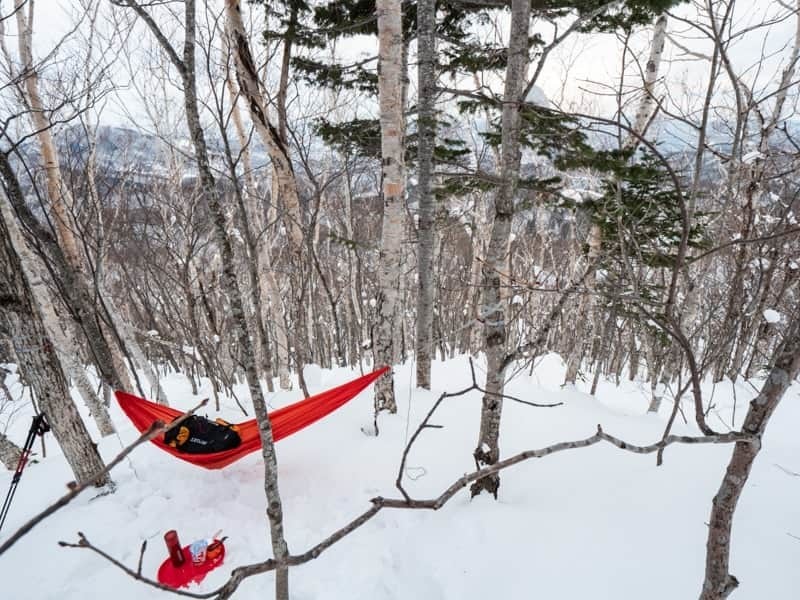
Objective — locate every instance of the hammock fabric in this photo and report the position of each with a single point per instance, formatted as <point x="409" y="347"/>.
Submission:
<point x="285" y="421"/>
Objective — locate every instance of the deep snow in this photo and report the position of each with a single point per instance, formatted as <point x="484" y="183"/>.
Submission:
<point x="595" y="522"/>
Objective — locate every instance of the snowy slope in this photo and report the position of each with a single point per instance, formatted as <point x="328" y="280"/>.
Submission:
<point x="596" y="522"/>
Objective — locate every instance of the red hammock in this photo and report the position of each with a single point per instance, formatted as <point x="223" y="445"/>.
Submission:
<point x="285" y="421"/>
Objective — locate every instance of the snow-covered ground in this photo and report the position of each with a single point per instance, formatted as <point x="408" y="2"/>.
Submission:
<point x="588" y="523"/>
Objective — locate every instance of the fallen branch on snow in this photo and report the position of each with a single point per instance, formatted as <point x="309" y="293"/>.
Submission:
<point x="239" y="574"/>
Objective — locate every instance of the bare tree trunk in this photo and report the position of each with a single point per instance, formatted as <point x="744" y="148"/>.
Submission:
<point x="719" y="583"/>
<point x="251" y="284"/>
<point x="633" y="354"/>
<point x="246" y="68"/>
<point x="648" y="102"/>
<point x="390" y="91"/>
<point x="426" y="227"/>
<point x="39" y="364"/>
<point x="479" y="241"/>
<point x="278" y="152"/>
<point x="352" y="275"/>
<point x="44" y="302"/>
<point x="61" y="202"/>
<point x="307" y="283"/>
<point x="283" y="173"/>
<point x="270" y="293"/>
<point x="9" y="452"/>
<point x="493" y="309"/>
<point x="656" y="396"/>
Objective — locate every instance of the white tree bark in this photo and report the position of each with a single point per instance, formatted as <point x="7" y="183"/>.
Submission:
<point x="278" y="152"/>
<point x="42" y="299"/>
<point x="283" y="172"/>
<point x="269" y="290"/>
<point x="390" y="91"/>
<point x="426" y="227"/>
<point x="258" y="246"/>
<point x="493" y="310"/>
<point x="61" y="201"/>
<point x="647" y="105"/>
<point x="20" y="320"/>
<point x="480" y="239"/>
<point x="352" y="271"/>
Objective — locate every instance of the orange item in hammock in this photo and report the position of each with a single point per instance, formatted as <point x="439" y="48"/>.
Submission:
<point x="285" y="421"/>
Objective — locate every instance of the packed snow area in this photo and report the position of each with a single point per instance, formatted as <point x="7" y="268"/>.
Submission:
<point x="596" y="522"/>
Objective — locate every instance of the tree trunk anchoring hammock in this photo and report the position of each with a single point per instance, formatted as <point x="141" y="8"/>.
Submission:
<point x="285" y="421"/>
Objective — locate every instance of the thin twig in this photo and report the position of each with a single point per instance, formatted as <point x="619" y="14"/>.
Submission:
<point x="787" y="471"/>
<point x="141" y="558"/>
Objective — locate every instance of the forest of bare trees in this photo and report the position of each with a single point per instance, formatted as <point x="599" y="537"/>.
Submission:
<point x="236" y="191"/>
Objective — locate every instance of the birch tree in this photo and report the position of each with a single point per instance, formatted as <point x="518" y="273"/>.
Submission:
<point x="269" y="290"/>
<point x="426" y="227"/>
<point x="391" y="76"/>
<point x="493" y="310"/>
<point x="284" y="176"/>
<point x="184" y="64"/>
<point x="20" y="320"/>
<point x="496" y="279"/>
<point x="719" y="583"/>
<point x="42" y="298"/>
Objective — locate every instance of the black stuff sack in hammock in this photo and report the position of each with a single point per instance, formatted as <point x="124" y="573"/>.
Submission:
<point x="198" y="435"/>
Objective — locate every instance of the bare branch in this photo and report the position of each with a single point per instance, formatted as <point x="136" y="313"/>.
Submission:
<point x="239" y="574"/>
<point x="152" y="432"/>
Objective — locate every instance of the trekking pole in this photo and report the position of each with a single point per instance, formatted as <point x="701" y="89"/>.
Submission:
<point x="39" y="426"/>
